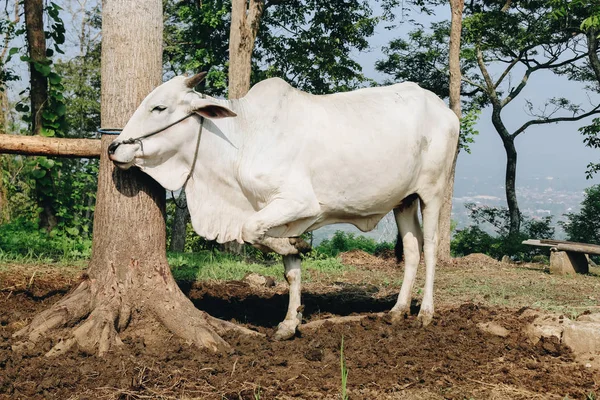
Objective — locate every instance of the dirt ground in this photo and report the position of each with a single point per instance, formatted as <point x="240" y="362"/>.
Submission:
<point x="451" y="359"/>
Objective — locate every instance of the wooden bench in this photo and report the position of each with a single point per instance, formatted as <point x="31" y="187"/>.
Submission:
<point x="567" y="257"/>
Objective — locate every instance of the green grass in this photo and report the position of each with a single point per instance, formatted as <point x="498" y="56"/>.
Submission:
<point x="536" y="289"/>
<point x="208" y="265"/>
<point x="32" y="258"/>
<point x="344" y="372"/>
<point x="204" y="265"/>
<point x="217" y="266"/>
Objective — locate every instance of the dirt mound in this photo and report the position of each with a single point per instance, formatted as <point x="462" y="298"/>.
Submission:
<point x="359" y="258"/>
<point x="477" y="259"/>
<point x="450" y="359"/>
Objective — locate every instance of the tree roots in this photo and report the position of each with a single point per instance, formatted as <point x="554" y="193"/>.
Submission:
<point x="91" y="317"/>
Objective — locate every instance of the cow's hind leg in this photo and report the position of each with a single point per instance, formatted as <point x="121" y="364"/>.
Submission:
<point x="431" y="214"/>
<point x="293" y="318"/>
<point x="412" y="242"/>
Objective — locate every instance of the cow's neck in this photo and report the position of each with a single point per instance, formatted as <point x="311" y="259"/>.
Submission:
<point x="215" y="199"/>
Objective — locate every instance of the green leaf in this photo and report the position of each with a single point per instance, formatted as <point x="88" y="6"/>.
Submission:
<point x="48" y="132"/>
<point x="47" y="163"/>
<point x="61" y="109"/>
<point x="20" y="107"/>
<point x="54" y="78"/>
<point x="38" y="173"/>
<point x="49" y="52"/>
<point x="42" y="69"/>
<point x="58" y="50"/>
<point x="72" y="231"/>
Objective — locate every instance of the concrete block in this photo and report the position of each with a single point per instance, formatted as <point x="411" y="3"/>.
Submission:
<point x="582" y="337"/>
<point x="568" y="263"/>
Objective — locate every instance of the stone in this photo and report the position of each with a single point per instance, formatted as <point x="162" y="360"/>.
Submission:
<point x="595" y="317"/>
<point x="546" y="326"/>
<point x="255" y="279"/>
<point x="568" y="263"/>
<point x="493" y="328"/>
<point x="582" y="337"/>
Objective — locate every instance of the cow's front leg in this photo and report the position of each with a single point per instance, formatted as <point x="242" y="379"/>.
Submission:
<point x="278" y="213"/>
<point x="293" y="318"/>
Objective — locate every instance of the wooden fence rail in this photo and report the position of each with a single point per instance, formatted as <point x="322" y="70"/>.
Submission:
<point x="48" y="146"/>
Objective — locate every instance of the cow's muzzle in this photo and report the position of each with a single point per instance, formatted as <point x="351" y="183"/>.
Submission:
<point x="112" y="148"/>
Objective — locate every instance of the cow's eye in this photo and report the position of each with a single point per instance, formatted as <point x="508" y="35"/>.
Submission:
<point x="159" y="109"/>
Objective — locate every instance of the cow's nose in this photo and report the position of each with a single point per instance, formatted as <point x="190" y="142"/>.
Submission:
<point x="112" y="148"/>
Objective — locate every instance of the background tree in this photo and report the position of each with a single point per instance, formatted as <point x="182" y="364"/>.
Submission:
<point x="445" y="222"/>
<point x="570" y="13"/>
<point x="8" y="23"/>
<point x="497" y="36"/>
<point x="584" y="226"/>
<point x="245" y="21"/>
<point x="36" y="45"/>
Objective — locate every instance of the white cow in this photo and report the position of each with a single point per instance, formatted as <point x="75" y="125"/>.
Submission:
<point x="280" y="162"/>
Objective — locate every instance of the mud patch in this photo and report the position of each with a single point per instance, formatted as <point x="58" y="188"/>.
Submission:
<point x="450" y="359"/>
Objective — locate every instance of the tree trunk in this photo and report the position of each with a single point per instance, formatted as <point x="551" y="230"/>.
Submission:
<point x="128" y="276"/>
<point x="3" y="195"/>
<point x="510" y="183"/>
<point x="36" y="43"/>
<point x="38" y="94"/>
<point x="3" y="126"/>
<point x="245" y="19"/>
<point x="179" y="227"/>
<point x="445" y="222"/>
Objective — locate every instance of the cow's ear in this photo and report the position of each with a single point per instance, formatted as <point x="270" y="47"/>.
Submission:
<point x="208" y="109"/>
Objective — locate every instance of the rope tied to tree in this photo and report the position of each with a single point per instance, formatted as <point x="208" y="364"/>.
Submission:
<point x="117" y="131"/>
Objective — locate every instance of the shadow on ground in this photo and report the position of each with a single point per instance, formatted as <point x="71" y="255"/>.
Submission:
<point x="236" y="301"/>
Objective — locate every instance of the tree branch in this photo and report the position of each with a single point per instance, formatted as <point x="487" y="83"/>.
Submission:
<point x="516" y="91"/>
<point x="592" y="38"/>
<point x="273" y="3"/>
<point x="491" y="90"/>
<point x="507" y="70"/>
<point x="474" y="84"/>
<point x="595" y="110"/>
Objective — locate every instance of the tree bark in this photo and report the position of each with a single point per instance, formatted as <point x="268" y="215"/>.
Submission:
<point x="128" y="276"/>
<point x="36" y="43"/>
<point x="179" y="228"/>
<point x="38" y="94"/>
<point x="510" y="183"/>
<point x="445" y="221"/>
<point x="245" y="20"/>
<point x="511" y="171"/>
<point x="49" y="146"/>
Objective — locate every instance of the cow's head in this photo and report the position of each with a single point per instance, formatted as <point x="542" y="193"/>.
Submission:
<point x="167" y="155"/>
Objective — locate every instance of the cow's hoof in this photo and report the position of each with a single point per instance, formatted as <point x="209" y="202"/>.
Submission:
<point x="425" y="317"/>
<point x="286" y="330"/>
<point x="398" y="316"/>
